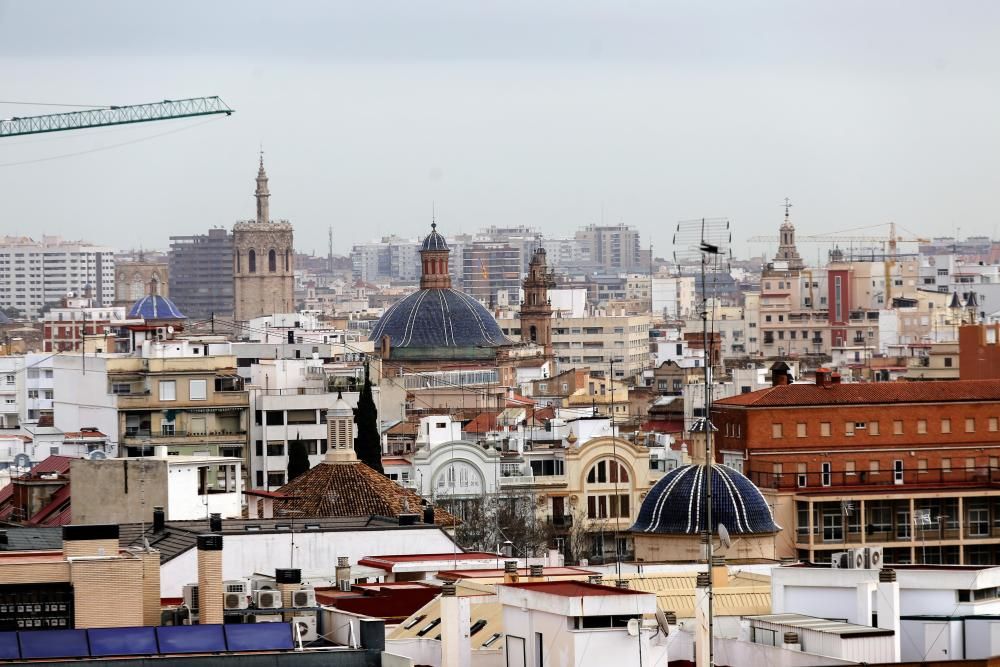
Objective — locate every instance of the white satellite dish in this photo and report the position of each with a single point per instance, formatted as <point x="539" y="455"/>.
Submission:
<point x="22" y="461"/>
<point x="724" y="536"/>
<point x="633" y="627"/>
<point x="661" y="620"/>
<point x="170" y="329"/>
<point x="97" y="455"/>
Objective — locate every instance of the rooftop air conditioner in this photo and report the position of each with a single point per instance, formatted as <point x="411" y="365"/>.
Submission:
<point x="267" y="599"/>
<point x="191" y="597"/>
<point x="304" y="628"/>
<point x="304" y="598"/>
<point x="262" y="584"/>
<point x="840" y="560"/>
<point x="874" y="558"/>
<point x="858" y="559"/>
<point x="266" y="618"/>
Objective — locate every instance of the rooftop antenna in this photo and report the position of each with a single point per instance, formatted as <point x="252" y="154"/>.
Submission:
<point x="706" y="241"/>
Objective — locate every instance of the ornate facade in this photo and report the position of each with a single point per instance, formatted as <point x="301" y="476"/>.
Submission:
<point x="263" y="261"/>
<point x="139" y="278"/>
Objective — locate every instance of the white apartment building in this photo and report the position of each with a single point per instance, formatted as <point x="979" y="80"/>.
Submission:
<point x="11" y="391"/>
<point x="39" y="385"/>
<point x="673" y="297"/>
<point x="34" y="273"/>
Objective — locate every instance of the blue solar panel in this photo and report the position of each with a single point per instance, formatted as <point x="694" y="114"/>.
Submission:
<point x="259" y="637"/>
<point x="8" y="646"/>
<point x="54" y="644"/>
<point x="122" y="641"/>
<point x="191" y="639"/>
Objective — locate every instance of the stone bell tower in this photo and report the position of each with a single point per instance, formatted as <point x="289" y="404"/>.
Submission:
<point x="536" y="311"/>
<point x="263" y="260"/>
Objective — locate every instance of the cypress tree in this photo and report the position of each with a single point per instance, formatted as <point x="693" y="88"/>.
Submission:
<point x="368" y="445"/>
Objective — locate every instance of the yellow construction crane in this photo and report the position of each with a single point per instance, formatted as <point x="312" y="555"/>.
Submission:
<point x="890" y="246"/>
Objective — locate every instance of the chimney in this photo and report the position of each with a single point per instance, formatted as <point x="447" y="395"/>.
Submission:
<point x="289" y="580"/>
<point x="537" y="572"/>
<point x="159" y="519"/>
<point x="720" y="573"/>
<point x="779" y="375"/>
<point x="701" y="605"/>
<point x="456" y="617"/>
<point x="835" y="378"/>
<point x="596" y="579"/>
<point x="621" y="583"/>
<point x="790" y="641"/>
<point x="372" y="634"/>
<point x="822" y="377"/>
<point x="215" y="522"/>
<point x="343" y="573"/>
<point x="209" y="579"/>
<point x="90" y="540"/>
<point x="510" y="575"/>
<point x="888" y="607"/>
<point x="429" y="515"/>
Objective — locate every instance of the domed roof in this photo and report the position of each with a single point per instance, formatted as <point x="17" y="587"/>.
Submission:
<point x="676" y="504"/>
<point x="433" y="241"/>
<point x="435" y="318"/>
<point x="155" y="307"/>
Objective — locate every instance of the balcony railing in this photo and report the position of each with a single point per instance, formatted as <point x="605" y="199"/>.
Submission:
<point x="531" y="480"/>
<point x="146" y="433"/>
<point x="810" y="482"/>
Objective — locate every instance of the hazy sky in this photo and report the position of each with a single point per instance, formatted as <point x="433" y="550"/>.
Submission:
<point x="509" y="112"/>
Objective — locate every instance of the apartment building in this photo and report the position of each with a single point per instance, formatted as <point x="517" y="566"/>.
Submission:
<point x="181" y="393"/>
<point x="909" y="467"/>
<point x="201" y="273"/>
<point x="11" y="391"/>
<point x="76" y="320"/>
<point x="597" y="341"/>
<point x="36" y="273"/>
<point x="491" y="272"/>
<point x="614" y="247"/>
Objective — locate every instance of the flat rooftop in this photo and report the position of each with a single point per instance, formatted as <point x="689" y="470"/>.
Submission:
<point x="839" y="628"/>
<point x="573" y="589"/>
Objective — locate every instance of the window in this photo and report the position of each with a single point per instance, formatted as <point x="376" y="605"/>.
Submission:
<point x="775" y="431"/>
<point x="921" y="426"/>
<point x="970" y="463"/>
<point x="826" y="474"/>
<point x="979" y="521"/>
<point x="897" y="427"/>
<point x="275" y="478"/>
<point x="921" y="466"/>
<point x="272" y="261"/>
<point x="849" y="468"/>
<point x="873" y="467"/>
<point x="873" y="428"/>
<point x="168" y="390"/>
<point x="199" y="390"/>
<point x="824" y="429"/>
<point x="945" y="465"/>
<point x="275" y="448"/>
<point x="970" y="425"/>
<point x="33" y="393"/>
<point x="800" y="430"/>
<point x="993" y="425"/>
<point x="608" y="471"/>
<point x="897" y="471"/>
<point x="849" y="428"/>
<point x="251" y="261"/>
<point x="947" y="362"/>
<point x="946" y="425"/>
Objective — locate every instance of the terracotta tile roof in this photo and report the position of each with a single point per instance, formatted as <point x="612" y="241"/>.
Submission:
<point x="404" y="428"/>
<point x="351" y="489"/>
<point x="482" y="423"/>
<point x="56" y="464"/>
<point x="950" y="391"/>
<point x="387" y="561"/>
<point x="572" y="589"/>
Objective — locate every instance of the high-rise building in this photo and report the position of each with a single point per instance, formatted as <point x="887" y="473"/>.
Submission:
<point x="491" y="272"/>
<point x="36" y="273"/>
<point x="613" y="247"/>
<point x="201" y="274"/>
<point x="263" y="261"/>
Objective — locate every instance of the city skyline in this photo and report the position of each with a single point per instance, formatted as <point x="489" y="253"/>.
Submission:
<point x="509" y="114"/>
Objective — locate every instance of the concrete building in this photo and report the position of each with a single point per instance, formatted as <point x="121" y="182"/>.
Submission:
<point x="77" y="323"/>
<point x="672" y="297"/>
<point x="127" y="490"/>
<point x="34" y="274"/>
<point x="140" y="277"/>
<point x="12" y="391"/>
<point x="613" y="247"/>
<point x="491" y="272"/>
<point x="200" y="274"/>
<point x="263" y="261"/>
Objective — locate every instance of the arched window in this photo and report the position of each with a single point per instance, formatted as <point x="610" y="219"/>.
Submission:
<point x="533" y="333"/>
<point x="608" y="471"/>
<point x="272" y="260"/>
<point x="251" y="261"/>
<point x="239" y="262"/>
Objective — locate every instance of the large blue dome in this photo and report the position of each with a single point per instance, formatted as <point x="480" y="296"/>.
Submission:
<point x="438" y="318"/>
<point x="676" y="504"/>
<point x="155" y="307"/>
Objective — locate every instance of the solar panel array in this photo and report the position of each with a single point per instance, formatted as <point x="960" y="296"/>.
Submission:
<point x="166" y="640"/>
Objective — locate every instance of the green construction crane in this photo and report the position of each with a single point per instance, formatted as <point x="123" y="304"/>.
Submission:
<point x="114" y="115"/>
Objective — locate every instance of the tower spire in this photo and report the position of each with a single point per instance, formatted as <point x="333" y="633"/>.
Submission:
<point x="262" y="194"/>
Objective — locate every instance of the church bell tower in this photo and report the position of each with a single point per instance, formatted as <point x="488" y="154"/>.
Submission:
<point x="536" y="311"/>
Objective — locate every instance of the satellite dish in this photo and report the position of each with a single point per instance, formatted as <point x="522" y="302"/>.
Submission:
<point x="22" y="461"/>
<point x="97" y="455"/>
<point x="170" y="329"/>
<point x="661" y="620"/>
<point x="633" y="627"/>
<point x="724" y="536"/>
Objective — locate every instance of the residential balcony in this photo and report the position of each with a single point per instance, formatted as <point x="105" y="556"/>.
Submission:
<point x="562" y="521"/>
<point x="177" y="437"/>
<point x="219" y="399"/>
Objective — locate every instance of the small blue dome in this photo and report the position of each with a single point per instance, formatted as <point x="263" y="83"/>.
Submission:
<point x="433" y="241"/>
<point x="676" y="504"/>
<point x="155" y="307"/>
<point x="438" y="317"/>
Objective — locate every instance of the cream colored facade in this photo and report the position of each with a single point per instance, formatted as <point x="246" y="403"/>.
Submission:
<point x="192" y="404"/>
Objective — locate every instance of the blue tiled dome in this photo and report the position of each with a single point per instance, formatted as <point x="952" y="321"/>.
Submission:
<point x="155" y="307"/>
<point x="434" y="241"/>
<point x="439" y="318"/>
<point x="676" y="504"/>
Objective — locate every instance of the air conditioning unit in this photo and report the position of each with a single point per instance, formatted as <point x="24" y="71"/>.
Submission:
<point x="266" y="618"/>
<point x="236" y="586"/>
<point x="267" y="599"/>
<point x="262" y="584"/>
<point x="304" y="598"/>
<point x="874" y="558"/>
<point x="191" y="597"/>
<point x="858" y="559"/>
<point x="235" y="601"/>
<point x="304" y="628"/>
<point x="840" y="560"/>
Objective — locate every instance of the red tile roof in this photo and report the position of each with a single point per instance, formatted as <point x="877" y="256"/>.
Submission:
<point x="53" y="511"/>
<point x="946" y="391"/>
<point x="56" y="464"/>
<point x="386" y="562"/>
<point x="572" y="589"/>
<point x="548" y="571"/>
<point x="483" y="423"/>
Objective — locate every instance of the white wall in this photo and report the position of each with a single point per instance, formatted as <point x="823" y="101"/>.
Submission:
<point x="184" y="503"/>
<point x="315" y="553"/>
<point x="81" y="398"/>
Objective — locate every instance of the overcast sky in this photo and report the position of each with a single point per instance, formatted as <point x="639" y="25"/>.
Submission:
<point x="550" y="114"/>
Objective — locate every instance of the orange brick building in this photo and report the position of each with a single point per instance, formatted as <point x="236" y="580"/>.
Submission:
<point x="911" y="467"/>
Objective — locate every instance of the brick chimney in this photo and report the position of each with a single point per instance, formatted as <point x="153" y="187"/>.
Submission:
<point x="822" y="377"/>
<point x="90" y="540"/>
<point x="835" y="378"/>
<point x="209" y="579"/>
<point x="289" y="580"/>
